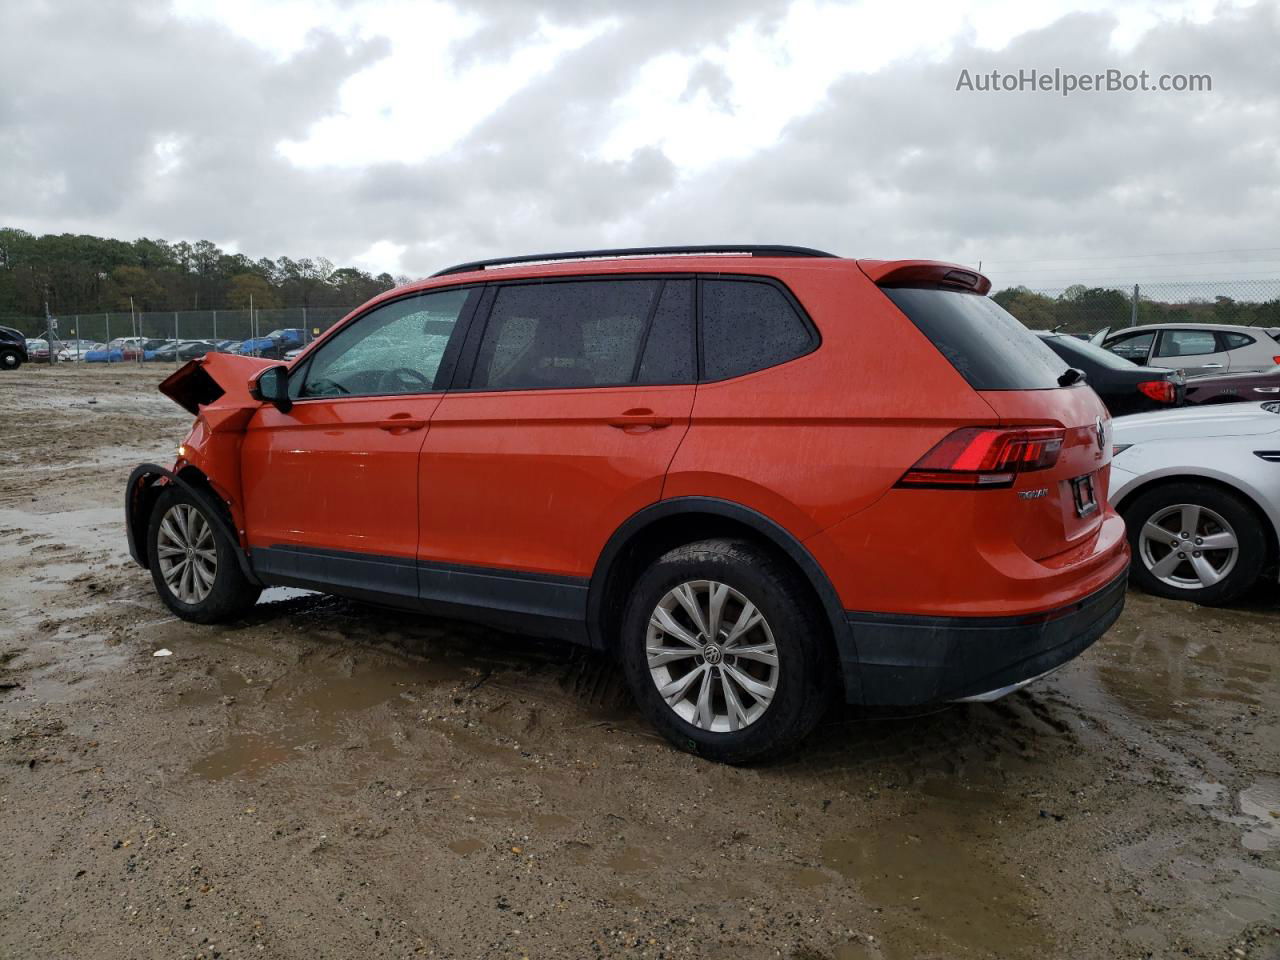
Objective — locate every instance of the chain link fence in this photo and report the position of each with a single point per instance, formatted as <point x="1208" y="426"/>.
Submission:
<point x="206" y="325"/>
<point x="1081" y="308"/>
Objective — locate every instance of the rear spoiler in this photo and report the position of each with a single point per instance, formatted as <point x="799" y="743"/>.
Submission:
<point x="924" y="273"/>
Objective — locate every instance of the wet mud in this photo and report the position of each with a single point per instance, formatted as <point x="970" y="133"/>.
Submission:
<point x="325" y="779"/>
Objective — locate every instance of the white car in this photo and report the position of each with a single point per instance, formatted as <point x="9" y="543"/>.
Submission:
<point x="1199" y="489"/>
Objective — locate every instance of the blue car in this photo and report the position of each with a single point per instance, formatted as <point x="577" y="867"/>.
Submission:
<point x="104" y="356"/>
<point x="275" y="344"/>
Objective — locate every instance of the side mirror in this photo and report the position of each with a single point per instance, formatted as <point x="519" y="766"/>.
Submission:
<point x="272" y="386"/>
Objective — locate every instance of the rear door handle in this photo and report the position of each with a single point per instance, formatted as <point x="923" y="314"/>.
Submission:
<point x="1212" y="366"/>
<point x="401" y="421"/>
<point x="639" y="417"/>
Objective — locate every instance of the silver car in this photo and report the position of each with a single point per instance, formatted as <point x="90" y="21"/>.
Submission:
<point x="1195" y="347"/>
<point x="1199" y="489"/>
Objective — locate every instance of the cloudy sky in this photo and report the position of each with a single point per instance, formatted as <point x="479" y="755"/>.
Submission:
<point x="404" y="136"/>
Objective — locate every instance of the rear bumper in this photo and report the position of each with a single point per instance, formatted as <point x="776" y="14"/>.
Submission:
<point x="905" y="660"/>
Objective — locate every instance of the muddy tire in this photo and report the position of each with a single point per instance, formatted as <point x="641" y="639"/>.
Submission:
<point x="10" y="360"/>
<point x="193" y="565"/>
<point x="1220" y="557"/>
<point x="723" y="652"/>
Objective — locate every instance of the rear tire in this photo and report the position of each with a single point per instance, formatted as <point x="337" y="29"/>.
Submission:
<point x="10" y="360"/>
<point x="732" y="707"/>
<point x="1184" y="569"/>
<point x="193" y="564"/>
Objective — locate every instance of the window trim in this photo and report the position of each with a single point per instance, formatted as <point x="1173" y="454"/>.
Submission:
<point x="464" y="371"/>
<point x="445" y="373"/>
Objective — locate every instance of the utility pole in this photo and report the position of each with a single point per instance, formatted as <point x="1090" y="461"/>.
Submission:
<point x="133" y="322"/>
<point x="253" y="334"/>
<point x="48" y="331"/>
<point x="1133" y="308"/>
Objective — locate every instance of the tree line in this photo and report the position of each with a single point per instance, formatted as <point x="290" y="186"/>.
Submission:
<point x="1079" y="309"/>
<point x="87" y="274"/>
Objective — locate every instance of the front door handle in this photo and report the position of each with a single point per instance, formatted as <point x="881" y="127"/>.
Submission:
<point x="401" y="422"/>
<point x="639" y="417"/>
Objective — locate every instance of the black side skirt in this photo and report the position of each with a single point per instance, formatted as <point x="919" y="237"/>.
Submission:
<point x="535" y="603"/>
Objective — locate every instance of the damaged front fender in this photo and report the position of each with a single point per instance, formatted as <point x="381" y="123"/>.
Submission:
<point x="146" y="483"/>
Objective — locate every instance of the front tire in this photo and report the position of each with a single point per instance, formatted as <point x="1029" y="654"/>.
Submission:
<point x="10" y="360"/>
<point x="724" y="652"/>
<point x="1195" y="541"/>
<point x="193" y="564"/>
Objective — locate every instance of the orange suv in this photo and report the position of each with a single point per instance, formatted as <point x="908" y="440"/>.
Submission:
<point x="761" y="477"/>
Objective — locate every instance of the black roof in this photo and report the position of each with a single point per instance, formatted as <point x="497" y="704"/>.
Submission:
<point x="746" y="249"/>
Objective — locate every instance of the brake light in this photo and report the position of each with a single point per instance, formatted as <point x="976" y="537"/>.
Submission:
<point x="1161" y="391"/>
<point x="1275" y="359"/>
<point x="985" y="457"/>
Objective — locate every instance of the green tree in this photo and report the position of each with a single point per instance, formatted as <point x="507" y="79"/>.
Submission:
<point x="135" y="283"/>
<point x="251" y="285"/>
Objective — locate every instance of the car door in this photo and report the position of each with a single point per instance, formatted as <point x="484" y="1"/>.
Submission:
<point x="331" y="484"/>
<point x="578" y="394"/>
<point x="1195" y="351"/>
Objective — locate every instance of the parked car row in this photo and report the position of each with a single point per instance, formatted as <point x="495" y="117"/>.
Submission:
<point x="274" y="345"/>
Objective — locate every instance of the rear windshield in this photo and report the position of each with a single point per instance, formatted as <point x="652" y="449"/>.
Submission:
<point x="989" y="347"/>
<point x="1076" y="347"/>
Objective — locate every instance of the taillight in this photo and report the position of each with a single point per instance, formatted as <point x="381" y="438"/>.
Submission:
<point x="1161" y="391"/>
<point x="1275" y="359"/>
<point x="985" y="457"/>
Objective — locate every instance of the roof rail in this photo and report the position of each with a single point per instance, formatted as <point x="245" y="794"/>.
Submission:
<point x="744" y="249"/>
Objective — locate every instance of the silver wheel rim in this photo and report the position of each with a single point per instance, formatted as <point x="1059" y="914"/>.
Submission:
<point x="1188" y="546"/>
<point x="712" y="656"/>
<point x="186" y="552"/>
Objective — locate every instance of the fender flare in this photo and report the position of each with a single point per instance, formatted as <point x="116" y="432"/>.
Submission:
<point x="768" y="529"/>
<point x="138" y="498"/>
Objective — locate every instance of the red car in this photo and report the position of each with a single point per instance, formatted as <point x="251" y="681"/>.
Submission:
<point x="762" y="477"/>
<point x="1235" y="387"/>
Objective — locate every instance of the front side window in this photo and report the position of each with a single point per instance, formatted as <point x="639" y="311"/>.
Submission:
<point x="579" y="333"/>
<point x="1186" y="343"/>
<point x="394" y="349"/>
<point x="747" y="326"/>
<point x="1135" y="348"/>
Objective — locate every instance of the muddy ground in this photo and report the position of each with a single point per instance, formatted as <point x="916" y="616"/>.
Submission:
<point x="329" y="780"/>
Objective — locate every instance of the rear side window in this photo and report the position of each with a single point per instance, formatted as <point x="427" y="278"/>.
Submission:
<point x="565" y="334"/>
<point x="748" y="325"/>
<point x="1234" y="341"/>
<point x="1186" y="343"/>
<point x="988" y="346"/>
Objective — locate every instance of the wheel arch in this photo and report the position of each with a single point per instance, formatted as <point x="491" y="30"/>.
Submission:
<point x="649" y="533"/>
<point x="1250" y="497"/>
<point x="147" y="482"/>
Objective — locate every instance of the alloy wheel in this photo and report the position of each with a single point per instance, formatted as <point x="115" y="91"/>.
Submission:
<point x="712" y="656"/>
<point x="1188" y="546"/>
<point x="186" y="553"/>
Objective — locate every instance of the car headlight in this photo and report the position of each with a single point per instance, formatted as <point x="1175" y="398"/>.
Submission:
<point x="1119" y="448"/>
